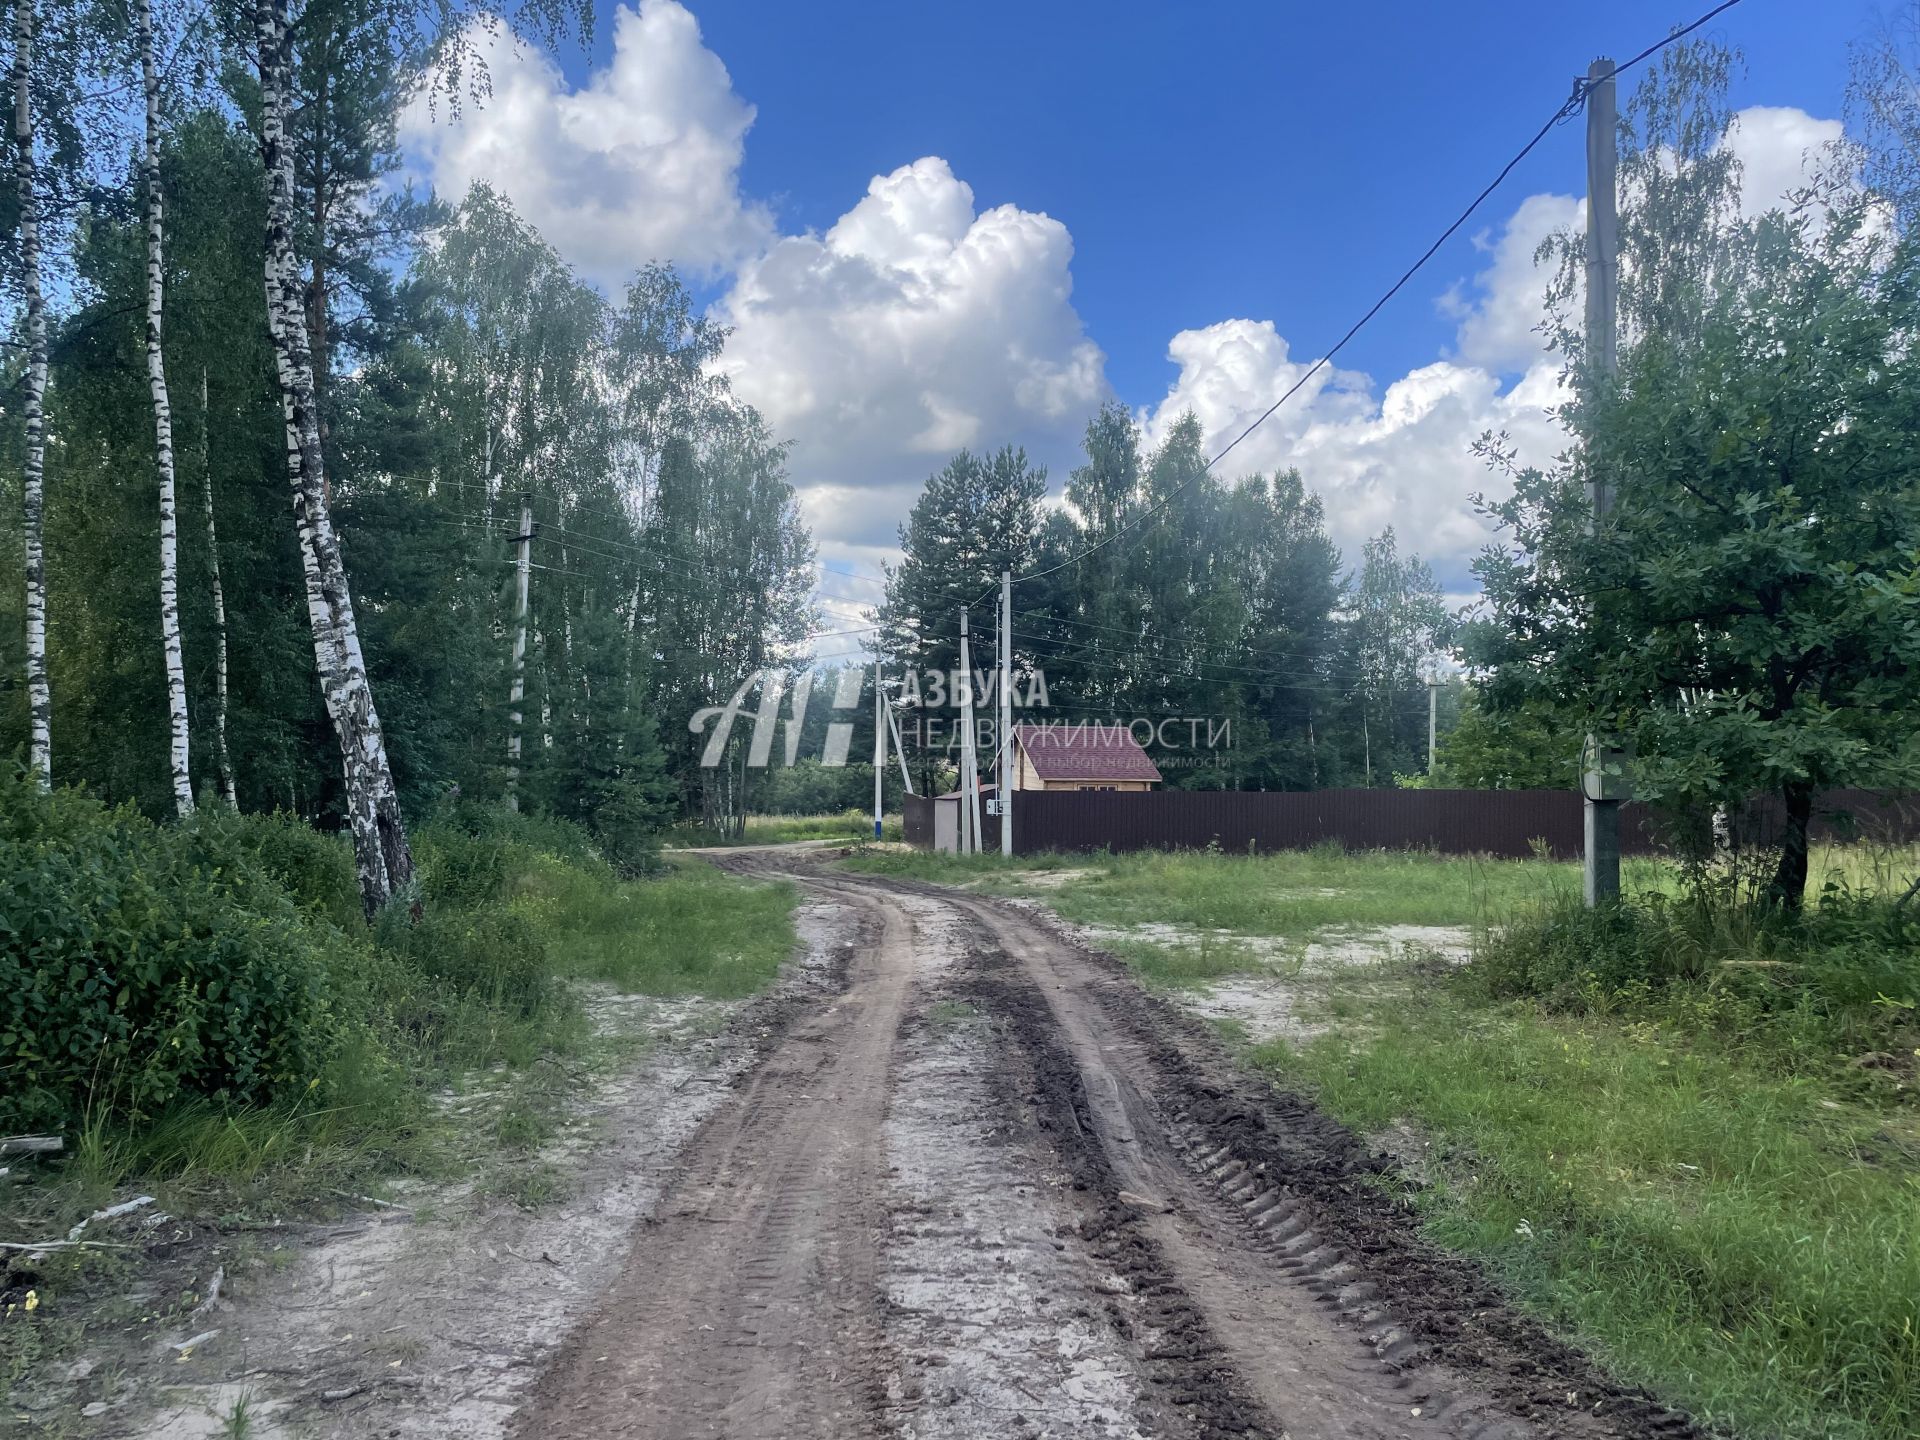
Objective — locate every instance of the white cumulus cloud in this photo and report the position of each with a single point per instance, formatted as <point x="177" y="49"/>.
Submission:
<point x="914" y="326"/>
<point x="641" y="163"/>
<point x="1402" y="455"/>
<point x="919" y="322"/>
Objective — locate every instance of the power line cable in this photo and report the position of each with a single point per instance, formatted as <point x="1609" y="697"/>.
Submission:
<point x="1568" y="108"/>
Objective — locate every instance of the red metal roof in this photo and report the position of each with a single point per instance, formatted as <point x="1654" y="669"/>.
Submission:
<point x="1090" y="751"/>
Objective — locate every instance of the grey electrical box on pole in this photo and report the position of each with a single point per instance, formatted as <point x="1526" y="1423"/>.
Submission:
<point x="1603" y="766"/>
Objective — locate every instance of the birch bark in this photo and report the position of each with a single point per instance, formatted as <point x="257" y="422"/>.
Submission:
<point x="33" y="487"/>
<point x="222" y="756"/>
<point x="381" y="853"/>
<point x="178" y="749"/>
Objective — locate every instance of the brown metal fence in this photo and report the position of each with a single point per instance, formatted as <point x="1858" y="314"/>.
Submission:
<point x="916" y="819"/>
<point x="1508" y="823"/>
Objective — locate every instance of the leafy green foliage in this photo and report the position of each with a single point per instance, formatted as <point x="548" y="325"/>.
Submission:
<point x="1811" y="993"/>
<point x="1487" y="749"/>
<point x="1747" y="616"/>
<point x="140" y="967"/>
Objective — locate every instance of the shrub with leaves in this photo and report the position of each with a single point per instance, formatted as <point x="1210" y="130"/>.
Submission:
<point x="141" y="966"/>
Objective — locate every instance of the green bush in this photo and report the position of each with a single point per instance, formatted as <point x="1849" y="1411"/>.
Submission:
<point x="313" y="867"/>
<point x="1837" y="986"/>
<point x="472" y="855"/>
<point x="142" y="966"/>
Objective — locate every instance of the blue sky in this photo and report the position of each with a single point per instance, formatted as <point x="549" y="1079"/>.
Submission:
<point x="1283" y="160"/>
<point x="1235" y="182"/>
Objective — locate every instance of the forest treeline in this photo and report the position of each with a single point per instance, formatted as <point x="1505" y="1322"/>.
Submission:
<point x="277" y="420"/>
<point x="277" y="417"/>
<point x="1198" y="598"/>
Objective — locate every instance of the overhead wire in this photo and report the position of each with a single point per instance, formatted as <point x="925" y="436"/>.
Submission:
<point x="1566" y="110"/>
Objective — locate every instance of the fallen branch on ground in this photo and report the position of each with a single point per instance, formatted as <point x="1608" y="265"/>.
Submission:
<point x="32" y="1145"/>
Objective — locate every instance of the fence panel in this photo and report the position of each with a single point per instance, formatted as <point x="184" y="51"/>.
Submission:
<point x="1505" y="823"/>
<point x="916" y="820"/>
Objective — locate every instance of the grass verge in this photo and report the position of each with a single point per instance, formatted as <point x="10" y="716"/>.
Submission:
<point x="784" y="829"/>
<point x="1293" y="894"/>
<point x="433" y="1047"/>
<point x="1738" y="1240"/>
<point x="1685" y="1136"/>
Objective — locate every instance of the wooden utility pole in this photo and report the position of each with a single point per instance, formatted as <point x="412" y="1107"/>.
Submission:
<point x="1004" y="737"/>
<point x="879" y="743"/>
<point x="1603" y="777"/>
<point x="523" y="562"/>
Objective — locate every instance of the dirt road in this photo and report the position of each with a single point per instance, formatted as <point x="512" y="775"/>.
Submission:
<point x="985" y="1185"/>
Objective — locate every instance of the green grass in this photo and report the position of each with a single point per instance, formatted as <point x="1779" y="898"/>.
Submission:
<point x="478" y="1003"/>
<point x="1293" y="893"/>
<point x="692" y="930"/>
<point x="1736" y="1240"/>
<point x="1654" y="1133"/>
<point x="1298" y="893"/>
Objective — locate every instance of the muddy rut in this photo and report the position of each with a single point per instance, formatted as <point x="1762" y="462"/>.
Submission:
<point x="989" y="1186"/>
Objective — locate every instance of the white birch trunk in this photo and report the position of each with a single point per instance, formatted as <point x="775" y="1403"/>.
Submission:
<point x="222" y="756"/>
<point x="518" y="693"/>
<point x="177" y="748"/>
<point x="33" y="487"/>
<point x="381" y="853"/>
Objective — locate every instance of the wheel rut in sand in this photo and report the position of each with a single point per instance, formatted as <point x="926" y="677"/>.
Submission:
<point x="993" y="1187"/>
<point x="746" y="1308"/>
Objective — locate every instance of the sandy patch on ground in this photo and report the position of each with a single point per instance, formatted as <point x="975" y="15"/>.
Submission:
<point x="983" y="1260"/>
<point x="1272" y="999"/>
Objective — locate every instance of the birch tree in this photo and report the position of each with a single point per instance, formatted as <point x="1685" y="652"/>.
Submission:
<point x="223" y="758"/>
<point x="178" y="765"/>
<point x="382" y="856"/>
<point x="33" y="486"/>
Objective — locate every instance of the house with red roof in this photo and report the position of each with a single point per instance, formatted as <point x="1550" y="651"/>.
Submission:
<point x="1080" y="755"/>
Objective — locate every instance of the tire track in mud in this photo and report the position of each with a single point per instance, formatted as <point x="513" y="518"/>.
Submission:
<point x="989" y="1288"/>
<point x="747" y="1307"/>
<point x="1076" y="1217"/>
<point x="1292" y="1290"/>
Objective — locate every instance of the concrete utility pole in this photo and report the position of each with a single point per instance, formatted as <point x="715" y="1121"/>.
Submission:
<point x="1603" y="775"/>
<point x="899" y="751"/>
<point x="879" y="743"/>
<point x="969" y="776"/>
<point x="1005" y="737"/>
<point x="522" y="563"/>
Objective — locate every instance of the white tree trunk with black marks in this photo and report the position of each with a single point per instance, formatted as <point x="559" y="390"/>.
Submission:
<point x="381" y="853"/>
<point x="33" y="487"/>
<point x="222" y="756"/>
<point x="516" y="697"/>
<point x="178" y="735"/>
